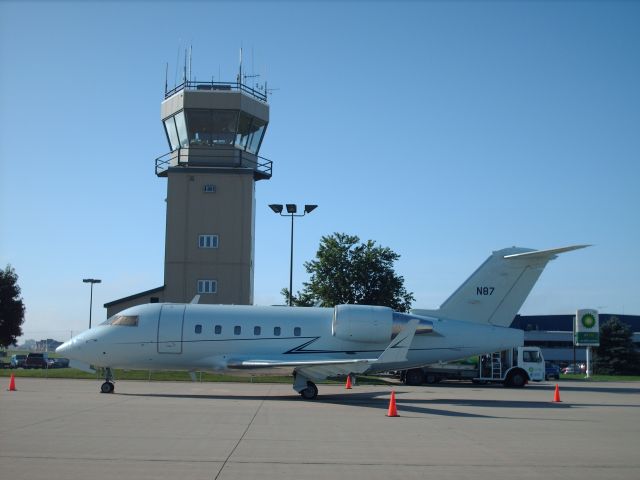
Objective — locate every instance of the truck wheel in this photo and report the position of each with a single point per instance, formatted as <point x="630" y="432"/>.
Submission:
<point x="516" y="380"/>
<point x="431" y="378"/>
<point x="414" y="377"/>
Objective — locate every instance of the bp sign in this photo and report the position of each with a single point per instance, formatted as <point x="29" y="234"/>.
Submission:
<point x="587" y="328"/>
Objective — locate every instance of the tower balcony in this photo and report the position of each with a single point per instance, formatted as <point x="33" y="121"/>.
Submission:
<point x="256" y="94"/>
<point x="215" y="158"/>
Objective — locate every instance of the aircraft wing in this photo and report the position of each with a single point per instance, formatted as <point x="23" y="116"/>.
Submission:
<point x="320" y="369"/>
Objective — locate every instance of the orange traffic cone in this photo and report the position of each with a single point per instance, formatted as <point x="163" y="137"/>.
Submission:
<point x="348" y="385"/>
<point x="12" y="383"/>
<point x="393" y="412"/>
<point x="556" y="396"/>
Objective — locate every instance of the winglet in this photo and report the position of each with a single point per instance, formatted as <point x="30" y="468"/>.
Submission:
<point x="399" y="346"/>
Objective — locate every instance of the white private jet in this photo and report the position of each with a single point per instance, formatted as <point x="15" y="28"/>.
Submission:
<point x="320" y="342"/>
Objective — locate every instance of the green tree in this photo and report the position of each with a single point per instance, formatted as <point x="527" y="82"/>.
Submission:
<point x="11" y="307"/>
<point x="345" y="272"/>
<point x="616" y="354"/>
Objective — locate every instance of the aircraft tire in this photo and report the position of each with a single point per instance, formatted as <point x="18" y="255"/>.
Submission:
<point x="414" y="377"/>
<point x="311" y="392"/>
<point x="107" y="387"/>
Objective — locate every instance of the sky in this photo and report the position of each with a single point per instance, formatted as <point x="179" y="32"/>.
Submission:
<point x="443" y="130"/>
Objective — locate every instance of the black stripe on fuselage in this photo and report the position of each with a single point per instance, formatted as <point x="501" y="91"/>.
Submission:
<point x="296" y="350"/>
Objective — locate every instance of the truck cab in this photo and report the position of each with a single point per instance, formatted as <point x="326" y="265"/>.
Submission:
<point x="514" y="367"/>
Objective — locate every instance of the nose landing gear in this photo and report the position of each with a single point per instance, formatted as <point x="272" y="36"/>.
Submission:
<point x="107" y="386"/>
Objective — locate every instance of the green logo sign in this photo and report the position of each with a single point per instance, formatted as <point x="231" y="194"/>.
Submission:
<point x="588" y="320"/>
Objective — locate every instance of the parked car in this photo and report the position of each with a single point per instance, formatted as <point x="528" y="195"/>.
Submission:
<point x="58" y="362"/>
<point x="551" y="371"/>
<point x="36" y="360"/>
<point x="572" y="369"/>
<point x="17" y="361"/>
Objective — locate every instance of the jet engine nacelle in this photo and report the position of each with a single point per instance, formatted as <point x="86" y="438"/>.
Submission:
<point x="362" y="323"/>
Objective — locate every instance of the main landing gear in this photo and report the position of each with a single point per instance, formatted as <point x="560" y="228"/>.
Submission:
<point x="305" y="387"/>
<point x="107" y="386"/>
<point x="310" y="392"/>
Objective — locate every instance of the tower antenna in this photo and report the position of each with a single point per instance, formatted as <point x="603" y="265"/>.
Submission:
<point x="175" y="77"/>
<point x="184" y="71"/>
<point x="240" y="70"/>
<point x="166" y="74"/>
<point x="190" y="57"/>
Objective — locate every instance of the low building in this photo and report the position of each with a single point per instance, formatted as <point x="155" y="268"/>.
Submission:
<point x="554" y="334"/>
<point x="48" y="345"/>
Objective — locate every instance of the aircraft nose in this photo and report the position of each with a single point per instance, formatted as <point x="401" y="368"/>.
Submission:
<point x="73" y="348"/>
<point x="65" y="348"/>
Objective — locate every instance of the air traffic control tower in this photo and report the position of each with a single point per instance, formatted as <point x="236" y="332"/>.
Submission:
<point x="214" y="131"/>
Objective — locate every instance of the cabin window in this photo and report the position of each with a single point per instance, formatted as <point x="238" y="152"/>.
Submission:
<point x="237" y="330"/>
<point x="297" y="331"/>
<point x="124" y="320"/>
<point x="198" y="329"/>
<point x="217" y="329"/>
<point x="256" y="330"/>
<point x="276" y="331"/>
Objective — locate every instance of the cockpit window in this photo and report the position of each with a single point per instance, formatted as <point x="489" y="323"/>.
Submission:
<point x="123" y="320"/>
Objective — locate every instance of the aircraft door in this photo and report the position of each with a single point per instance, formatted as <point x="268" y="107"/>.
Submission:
<point x="170" y="329"/>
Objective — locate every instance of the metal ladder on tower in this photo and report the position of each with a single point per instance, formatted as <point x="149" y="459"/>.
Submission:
<point x="496" y="366"/>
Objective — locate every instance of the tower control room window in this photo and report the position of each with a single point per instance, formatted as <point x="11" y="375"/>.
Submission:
<point x="207" y="286"/>
<point x="211" y="127"/>
<point x="255" y="138"/>
<point x="176" y="130"/>
<point x="250" y="133"/>
<point x="208" y="241"/>
<point x="181" y="127"/>
<point x="172" y="133"/>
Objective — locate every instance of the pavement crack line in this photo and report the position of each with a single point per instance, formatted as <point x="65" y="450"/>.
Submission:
<point x="226" y="460"/>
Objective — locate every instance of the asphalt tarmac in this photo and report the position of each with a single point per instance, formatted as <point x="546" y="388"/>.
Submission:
<point x="65" y="429"/>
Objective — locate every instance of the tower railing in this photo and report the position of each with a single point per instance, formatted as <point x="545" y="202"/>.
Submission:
<point x="214" y="158"/>
<point x="217" y="86"/>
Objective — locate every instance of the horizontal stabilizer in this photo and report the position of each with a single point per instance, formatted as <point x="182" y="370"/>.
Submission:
<point x="542" y="254"/>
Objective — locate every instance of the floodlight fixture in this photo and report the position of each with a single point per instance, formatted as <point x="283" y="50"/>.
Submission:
<point x="276" y="208"/>
<point x="291" y="208"/>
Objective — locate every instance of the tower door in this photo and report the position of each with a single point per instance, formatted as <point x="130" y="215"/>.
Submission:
<point x="170" y="329"/>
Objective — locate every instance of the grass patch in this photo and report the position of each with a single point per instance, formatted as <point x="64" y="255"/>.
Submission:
<point x="170" y="376"/>
<point x="599" y="378"/>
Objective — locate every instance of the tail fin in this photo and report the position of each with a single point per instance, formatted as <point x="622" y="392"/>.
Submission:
<point x="495" y="292"/>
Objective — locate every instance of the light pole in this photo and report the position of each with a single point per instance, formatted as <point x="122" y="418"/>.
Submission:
<point x="291" y="212"/>
<point x="91" y="281"/>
